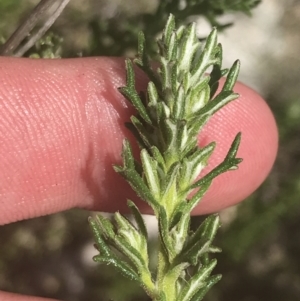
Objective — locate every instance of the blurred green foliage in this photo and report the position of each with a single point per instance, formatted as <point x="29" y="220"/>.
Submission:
<point x="125" y="28"/>
<point x="261" y="242"/>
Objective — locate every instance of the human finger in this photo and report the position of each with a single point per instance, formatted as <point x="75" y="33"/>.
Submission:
<point x="62" y="128"/>
<point x="5" y="296"/>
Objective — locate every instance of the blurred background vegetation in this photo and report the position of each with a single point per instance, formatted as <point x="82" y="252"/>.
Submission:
<point x="51" y="256"/>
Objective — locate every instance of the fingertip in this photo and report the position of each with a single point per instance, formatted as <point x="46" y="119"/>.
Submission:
<point x="251" y="116"/>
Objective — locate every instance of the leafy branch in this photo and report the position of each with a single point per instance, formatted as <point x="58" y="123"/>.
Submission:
<point x="179" y="100"/>
<point x="125" y="28"/>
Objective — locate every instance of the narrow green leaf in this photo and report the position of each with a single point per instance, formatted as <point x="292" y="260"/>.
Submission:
<point x="131" y="94"/>
<point x="186" y="82"/>
<point x="170" y="279"/>
<point x="152" y="94"/>
<point x="209" y="284"/>
<point x="206" y="58"/>
<point x="127" y="155"/>
<point x="224" y="72"/>
<point x="193" y="254"/>
<point x="172" y="47"/>
<point x="157" y="155"/>
<point x="142" y="61"/>
<point x="170" y="180"/>
<point x="150" y="171"/>
<point x="165" y="110"/>
<point x="180" y="32"/>
<point x="221" y="168"/>
<point x="124" y="224"/>
<point x="229" y="163"/>
<point x="207" y="230"/>
<point x="139" y="219"/>
<point x="177" y="214"/>
<point x="137" y="136"/>
<point x="130" y="77"/>
<point x="197" y="282"/>
<point x="105" y="226"/>
<point x="179" y="232"/>
<point x="120" y="265"/>
<point x="193" y="165"/>
<point x="165" y="73"/>
<point x="182" y="137"/>
<point x="141" y="44"/>
<point x="142" y="131"/>
<point x="134" y="98"/>
<point x="103" y="248"/>
<point x="213" y="249"/>
<point x="197" y="123"/>
<point x="106" y="254"/>
<point x="216" y="73"/>
<point x="199" y="97"/>
<point x="169" y="28"/>
<point x="232" y="76"/>
<point x="218" y="102"/>
<point x="174" y="84"/>
<point x="203" y="98"/>
<point x="200" y="241"/>
<point x="179" y="105"/>
<point x="234" y="146"/>
<point x="192" y="203"/>
<point x="169" y="131"/>
<point x="162" y="296"/>
<point x="188" y="47"/>
<point x="212" y="227"/>
<point x="163" y="226"/>
<point x="138" y="185"/>
<point x="131" y="253"/>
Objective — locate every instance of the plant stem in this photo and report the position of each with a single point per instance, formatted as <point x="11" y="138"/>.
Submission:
<point x="27" y="26"/>
<point x="178" y="102"/>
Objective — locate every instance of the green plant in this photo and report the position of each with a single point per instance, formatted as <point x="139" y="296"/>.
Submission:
<point x="124" y="27"/>
<point x="273" y="205"/>
<point x="180" y="99"/>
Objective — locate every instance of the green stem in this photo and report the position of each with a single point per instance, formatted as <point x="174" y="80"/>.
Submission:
<point x="162" y="268"/>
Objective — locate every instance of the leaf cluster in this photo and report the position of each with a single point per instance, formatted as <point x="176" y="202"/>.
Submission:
<point x="48" y="47"/>
<point x="179" y="100"/>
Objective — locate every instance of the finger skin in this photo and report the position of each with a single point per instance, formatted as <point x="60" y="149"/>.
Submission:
<point x="62" y="128"/>
<point x="251" y="116"/>
<point x="5" y="296"/>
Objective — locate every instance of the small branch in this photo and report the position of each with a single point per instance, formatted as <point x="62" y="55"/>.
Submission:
<point x="43" y="29"/>
<point x="27" y="26"/>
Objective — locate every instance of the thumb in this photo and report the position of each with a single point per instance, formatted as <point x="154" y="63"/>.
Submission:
<point x="62" y="128"/>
